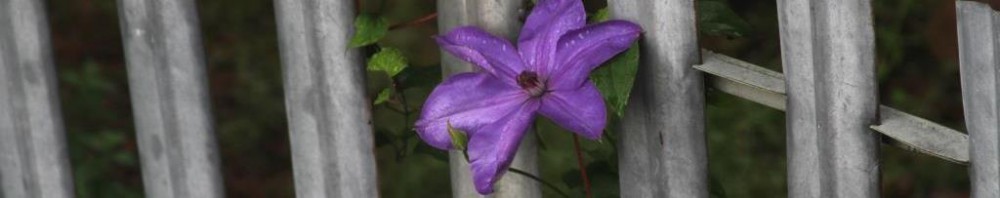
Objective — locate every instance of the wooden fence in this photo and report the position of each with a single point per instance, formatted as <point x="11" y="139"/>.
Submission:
<point x="835" y="124"/>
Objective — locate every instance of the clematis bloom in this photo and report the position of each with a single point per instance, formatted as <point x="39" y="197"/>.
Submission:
<point x="546" y="73"/>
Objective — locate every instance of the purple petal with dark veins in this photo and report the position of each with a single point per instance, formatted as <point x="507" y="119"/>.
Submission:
<point x="492" y="147"/>
<point x="581" y="111"/>
<point x="468" y="101"/>
<point x="549" y="20"/>
<point x="582" y="50"/>
<point x="494" y="55"/>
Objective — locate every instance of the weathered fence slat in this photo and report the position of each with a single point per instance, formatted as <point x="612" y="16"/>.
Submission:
<point x="662" y="150"/>
<point x="33" y="158"/>
<point x="828" y="57"/>
<point x="743" y="79"/>
<point x="498" y="18"/>
<point x="917" y="134"/>
<point x="170" y="100"/>
<point x="766" y="87"/>
<point x="979" y="60"/>
<point x="328" y="113"/>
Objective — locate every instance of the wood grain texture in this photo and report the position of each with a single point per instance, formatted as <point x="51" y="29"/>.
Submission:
<point x="170" y="101"/>
<point x="979" y="60"/>
<point x="329" y="115"/>
<point x="33" y="158"/>
<point x="828" y="57"/>
<point x="662" y="145"/>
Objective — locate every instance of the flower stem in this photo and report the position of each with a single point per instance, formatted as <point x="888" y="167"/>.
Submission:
<point x="415" y="22"/>
<point x="528" y="175"/>
<point x="539" y="180"/>
<point x="402" y="102"/>
<point x="579" y="162"/>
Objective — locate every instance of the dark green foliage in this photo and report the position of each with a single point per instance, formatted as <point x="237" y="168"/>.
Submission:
<point x="716" y="18"/>
<point x="97" y="149"/>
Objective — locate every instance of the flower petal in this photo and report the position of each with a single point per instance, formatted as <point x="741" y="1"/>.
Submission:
<point x="549" y="20"/>
<point x="581" y="111"/>
<point x="468" y="101"/>
<point x="492" y="147"/>
<point x="493" y="54"/>
<point x="582" y="50"/>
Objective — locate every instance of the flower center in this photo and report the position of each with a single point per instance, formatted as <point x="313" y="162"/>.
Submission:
<point x="529" y="82"/>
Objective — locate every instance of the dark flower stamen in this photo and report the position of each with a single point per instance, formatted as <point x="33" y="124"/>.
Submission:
<point x="529" y="82"/>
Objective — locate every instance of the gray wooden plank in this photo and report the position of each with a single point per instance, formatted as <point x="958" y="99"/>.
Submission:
<point x="744" y="80"/>
<point x="498" y="18"/>
<point x="917" y="134"/>
<point x="828" y="57"/>
<point x="170" y="100"/>
<point x="33" y="158"/>
<point x="766" y="87"/>
<point x="329" y="114"/>
<point x="662" y="145"/>
<point x="979" y="60"/>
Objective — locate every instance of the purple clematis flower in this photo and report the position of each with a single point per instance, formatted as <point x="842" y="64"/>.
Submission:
<point x="545" y="74"/>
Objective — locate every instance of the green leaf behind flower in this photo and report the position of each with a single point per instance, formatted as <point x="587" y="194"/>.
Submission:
<point x="716" y="18"/>
<point x="615" y="78"/>
<point x="600" y="15"/>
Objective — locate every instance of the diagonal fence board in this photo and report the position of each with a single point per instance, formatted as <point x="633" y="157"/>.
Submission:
<point x="921" y="135"/>
<point x="329" y="114"/>
<point x="662" y="150"/>
<point x="745" y="80"/>
<point x="979" y="65"/>
<point x="498" y="18"/>
<point x="33" y="157"/>
<point x="169" y="92"/>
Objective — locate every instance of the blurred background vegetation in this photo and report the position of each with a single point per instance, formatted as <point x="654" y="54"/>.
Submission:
<point x="917" y="69"/>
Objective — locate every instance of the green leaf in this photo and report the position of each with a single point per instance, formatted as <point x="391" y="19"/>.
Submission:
<point x="383" y="96"/>
<point x="368" y="29"/>
<point x="716" y="18"/>
<point x="600" y="16"/>
<point x="458" y="138"/>
<point x="389" y="60"/>
<point x="615" y="78"/>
